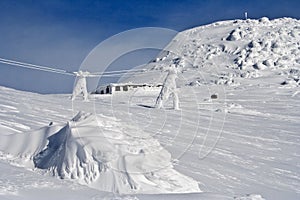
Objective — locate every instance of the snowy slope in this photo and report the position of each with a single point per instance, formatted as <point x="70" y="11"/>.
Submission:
<point x="244" y="144"/>
<point x="225" y="52"/>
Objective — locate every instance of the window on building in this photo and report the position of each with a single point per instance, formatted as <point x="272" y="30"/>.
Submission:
<point x="125" y="88"/>
<point x="118" y="88"/>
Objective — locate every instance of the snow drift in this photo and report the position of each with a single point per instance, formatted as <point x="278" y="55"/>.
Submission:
<point x="95" y="150"/>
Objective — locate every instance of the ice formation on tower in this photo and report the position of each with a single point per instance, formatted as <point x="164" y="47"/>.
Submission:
<point x="169" y="89"/>
<point x="80" y="86"/>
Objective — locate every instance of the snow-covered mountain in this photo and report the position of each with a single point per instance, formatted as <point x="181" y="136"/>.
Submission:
<point x="231" y="51"/>
<point x="236" y="135"/>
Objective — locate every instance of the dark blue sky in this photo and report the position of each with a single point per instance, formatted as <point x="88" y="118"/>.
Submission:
<point x="62" y="32"/>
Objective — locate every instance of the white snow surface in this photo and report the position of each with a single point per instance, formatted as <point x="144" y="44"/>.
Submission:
<point x="241" y="144"/>
<point x="98" y="151"/>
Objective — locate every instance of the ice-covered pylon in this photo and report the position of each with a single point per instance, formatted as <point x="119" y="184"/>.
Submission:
<point x="169" y="89"/>
<point x="80" y="86"/>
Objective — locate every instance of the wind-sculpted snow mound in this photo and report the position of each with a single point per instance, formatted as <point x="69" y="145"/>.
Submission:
<point x="67" y="158"/>
<point x="108" y="155"/>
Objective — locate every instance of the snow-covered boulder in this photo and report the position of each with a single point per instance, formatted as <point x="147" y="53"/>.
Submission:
<point x="234" y="35"/>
